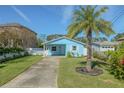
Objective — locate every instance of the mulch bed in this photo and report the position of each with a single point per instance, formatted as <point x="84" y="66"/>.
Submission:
<point x="94" y="72"/>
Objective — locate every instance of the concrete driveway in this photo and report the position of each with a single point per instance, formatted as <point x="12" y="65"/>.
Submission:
<point x="40" y="75"/>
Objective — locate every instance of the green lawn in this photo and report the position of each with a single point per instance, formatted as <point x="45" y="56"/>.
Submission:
<point x="12" y="68"/>
<point x="69" y="78"/>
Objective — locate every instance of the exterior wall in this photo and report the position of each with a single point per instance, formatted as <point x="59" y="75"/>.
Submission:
<point x="101" y="49"/>
<point x="68" y="47"/>
<point x="106" y="48"/>
<point x="79" y="51"/>
<point x="96" y="47"/>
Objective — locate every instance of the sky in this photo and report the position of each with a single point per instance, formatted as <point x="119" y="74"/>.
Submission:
<point x="54" y="19"/>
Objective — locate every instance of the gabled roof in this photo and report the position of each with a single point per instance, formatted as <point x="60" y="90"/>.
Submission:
<point x="63" y="38"/>
<point x="120" y="39"/>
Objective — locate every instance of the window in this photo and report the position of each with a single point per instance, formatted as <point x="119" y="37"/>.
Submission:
<point x="106" y="46"/>
<point x="54" y="48"/>
<point x="74" y="48"/>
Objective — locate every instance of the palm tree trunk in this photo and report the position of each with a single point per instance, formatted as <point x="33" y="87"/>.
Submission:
<point x="89" y="50"/>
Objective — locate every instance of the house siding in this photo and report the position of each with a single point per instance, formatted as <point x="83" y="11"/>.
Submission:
<point x="99" y="48"/>
<point x="106" y="49"/>
<point x="81" y="50"/>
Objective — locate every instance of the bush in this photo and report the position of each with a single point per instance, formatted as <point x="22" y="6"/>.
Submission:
<point x="78" y="55"/>
<point x="19" y="50"/>
<point x="10" y="50"/>
<point x="101" y="56"/>
<point x="15" y="50"/>
<point x="26" y="54"/>
<point x="117" y="62"/>
<point x="69" y="55"/>
<point x="1" y="51"/>
<point x="4" y="51"/>
<point x="108" y="53"/>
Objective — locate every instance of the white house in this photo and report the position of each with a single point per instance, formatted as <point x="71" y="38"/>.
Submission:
<point x="103" y="46"/>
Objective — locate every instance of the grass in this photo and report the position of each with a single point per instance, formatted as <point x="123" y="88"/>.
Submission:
<point x="69" y="78"/>
<point x="12" y="68"/>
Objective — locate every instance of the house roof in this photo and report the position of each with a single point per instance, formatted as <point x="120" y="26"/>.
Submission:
<point x="105" y="43"/>
<point x="120" y="39"/>
<point x="63" y="38"/>
<point x="16" y="25"/>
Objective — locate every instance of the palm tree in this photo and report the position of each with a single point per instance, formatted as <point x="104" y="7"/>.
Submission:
<point x="88" y="20"/>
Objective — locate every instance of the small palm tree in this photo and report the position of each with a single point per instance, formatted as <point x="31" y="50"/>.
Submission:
<point x="88" y="20"/>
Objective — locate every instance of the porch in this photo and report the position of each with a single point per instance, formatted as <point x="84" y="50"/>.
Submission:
<point x="55" y="49"/>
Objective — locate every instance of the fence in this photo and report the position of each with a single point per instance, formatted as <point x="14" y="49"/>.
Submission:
<point x="35" y="51"/>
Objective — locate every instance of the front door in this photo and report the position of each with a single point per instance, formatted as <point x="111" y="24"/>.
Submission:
<point x="62" y="50"/>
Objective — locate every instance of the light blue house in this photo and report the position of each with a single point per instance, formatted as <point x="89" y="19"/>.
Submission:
<point x="62" y="46"/>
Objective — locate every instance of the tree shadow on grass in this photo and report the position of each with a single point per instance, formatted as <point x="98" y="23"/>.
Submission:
<point x="95" y="71"/>
<point x="95" y="64"/>
<point x="2" y="66"/>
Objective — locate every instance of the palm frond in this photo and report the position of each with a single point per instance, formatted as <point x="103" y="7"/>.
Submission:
<point x="78" y="16"/>
<point x="74" y="29"/>
<point x="100" y="12"/>
<point x="88" y="17"/>
<point x="105" y="27"/>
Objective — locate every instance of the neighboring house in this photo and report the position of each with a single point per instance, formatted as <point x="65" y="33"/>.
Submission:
<point x="121" y="39"/>
<point x="103" y="46"/>
<point x="62" y="46"/>
<point x="27" y="36"/>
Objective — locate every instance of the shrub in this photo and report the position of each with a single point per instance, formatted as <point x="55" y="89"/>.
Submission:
<point x="15" y="50"/>
<point x="26" y="54"/>
<point x="101" y="56"/>
<point x="78" y="55"/>
<point x="108" y="53"/>
<point x="69" y="55"/>
<point x="19" y="50"/>
<point x="117" y="62"/>
<point x="4" y="51"/>
<point x="1" y="51"/>
<point x="10" y="50"/>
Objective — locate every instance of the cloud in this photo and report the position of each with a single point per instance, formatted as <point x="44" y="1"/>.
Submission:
<point x="67" y="13"/>
<point x="21" y="14"/>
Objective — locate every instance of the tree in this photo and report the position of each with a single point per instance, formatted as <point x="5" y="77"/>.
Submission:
<point x="94" y="39"/>
<point x="4" y="39"/>
<point x="118" y="36"/>
<point x="54" y="36"/>
<point x="88" y="20"/>
<point x="9" y="39"/>
<point x="39" y="42"/>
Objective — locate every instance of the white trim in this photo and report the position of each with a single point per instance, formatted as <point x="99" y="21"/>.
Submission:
<point x="62" y="38"/>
